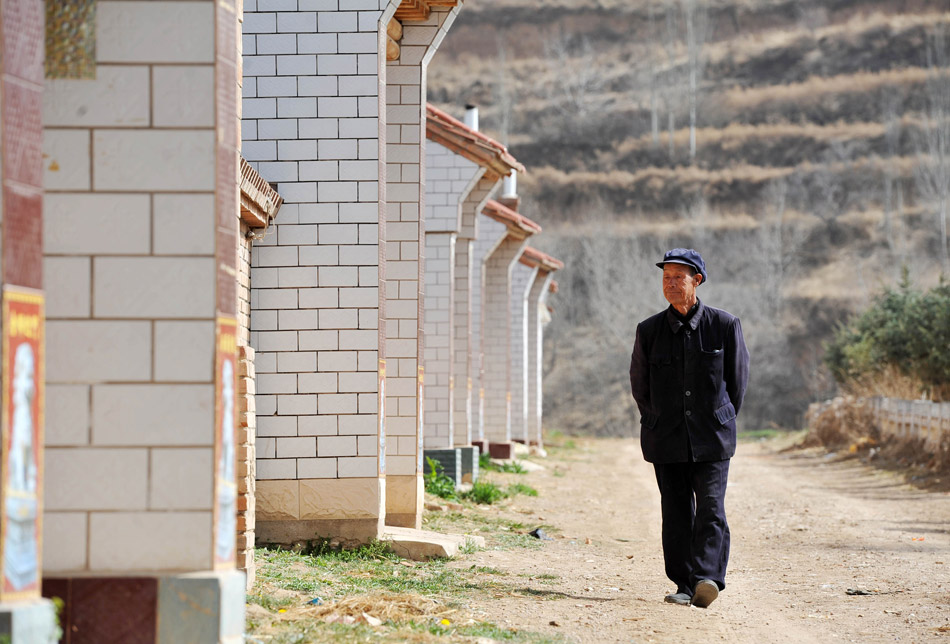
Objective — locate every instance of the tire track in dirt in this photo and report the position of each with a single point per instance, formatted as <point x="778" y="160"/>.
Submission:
<point x="805" y="529"/>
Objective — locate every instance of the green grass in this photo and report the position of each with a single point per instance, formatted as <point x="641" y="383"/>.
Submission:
<point x="760" y="434"/>
<point x="521" y="488"/>
<point x="287" y="579"/>
<point x="484" y="492"/>
<point x="509" y="467"/>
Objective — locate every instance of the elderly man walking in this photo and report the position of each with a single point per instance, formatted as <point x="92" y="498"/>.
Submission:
<point x="689" y="372"/>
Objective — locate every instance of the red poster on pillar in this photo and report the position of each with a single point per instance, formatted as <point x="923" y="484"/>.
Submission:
<point x="21" y="480"/>
<point x="225" y="405"/>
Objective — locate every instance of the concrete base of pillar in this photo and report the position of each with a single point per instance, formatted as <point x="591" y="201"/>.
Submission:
<point x="193" y="607"/>
<point x="421" y="545"/>
<point x="404" y="500"/>
<point x="481" y="445"/>
<point x="502" y="451"/>
<point x="469" y="456"/>
<point x="29" y="621"/>
<point x="449" y="458"/>
<point x="290" y="532"/>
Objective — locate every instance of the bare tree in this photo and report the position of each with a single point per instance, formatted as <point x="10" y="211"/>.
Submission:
<point x="671" y="87"/>
<point x="697" y="22"/>
<point x="893" y="207"/>
<point x="779" y="243"/>
<point x="503" y="99"/>
<point x="932" y="172"/>
<point x="654" y="81"/>
<point x="576" y="77"/>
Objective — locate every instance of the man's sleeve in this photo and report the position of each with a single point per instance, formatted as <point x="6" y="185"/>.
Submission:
<point x="736" y="365"/>
<point x="640" y="374"/>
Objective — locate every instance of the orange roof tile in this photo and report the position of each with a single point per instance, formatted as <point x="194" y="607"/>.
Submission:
<point x="517" y="223"/>
<point x="534" y="257"/>
<point x="471" y="144"/>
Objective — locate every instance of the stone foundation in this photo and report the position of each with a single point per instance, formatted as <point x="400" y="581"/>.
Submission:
<point x="196" y="607"/>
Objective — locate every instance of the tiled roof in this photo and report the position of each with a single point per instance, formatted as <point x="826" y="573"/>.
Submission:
<point x="517" y="223"/>
<point x="471" y="144"/>
<point x="533" y="257"/>
<point x="259" y="202"/>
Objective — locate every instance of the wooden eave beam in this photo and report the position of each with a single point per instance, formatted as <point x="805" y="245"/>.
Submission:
<point x="413" y="10"/>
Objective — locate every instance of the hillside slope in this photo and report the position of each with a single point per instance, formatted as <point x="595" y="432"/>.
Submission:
<point x="806" y="186"/>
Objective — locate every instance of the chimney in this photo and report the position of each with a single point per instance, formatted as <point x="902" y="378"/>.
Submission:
<point x="471" y="116"/>
<point x="509" y="195"/>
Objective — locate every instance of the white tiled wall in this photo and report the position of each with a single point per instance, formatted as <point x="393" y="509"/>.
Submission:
<point x="312" y="126"/>
<point x="130" y="272"/>
<point x="522" y="278"/>
<point x="490" y="235"/>
<point x="450" y="179"/>
<point x="537" y="298"/>
<point x="496" y="338"/>
<point x="466" y="324"/>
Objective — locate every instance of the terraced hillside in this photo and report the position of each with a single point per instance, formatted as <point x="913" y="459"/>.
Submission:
<point x="816" y="169"/>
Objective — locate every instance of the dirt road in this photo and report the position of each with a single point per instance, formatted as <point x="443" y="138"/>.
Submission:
<point x="805" y="529"/>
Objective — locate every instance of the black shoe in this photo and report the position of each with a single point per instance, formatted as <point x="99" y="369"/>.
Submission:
<point x="677" y="598"/>
<point x="705" y="593"/>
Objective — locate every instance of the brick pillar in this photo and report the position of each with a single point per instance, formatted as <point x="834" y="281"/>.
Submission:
<point x="490" y="234"/>
<point x="464" y="322"/>
<point x="496" y="339"/>
<point x="537" y="296"/>
<point x="451" y="181"/>
<point x="405" y="264"/>
<point x="314" y="124"/>
<point x="24" y="615"/>
<point x="139" y="533"/>
<point x="522" y="278"/>
<point x="440" y="279"/>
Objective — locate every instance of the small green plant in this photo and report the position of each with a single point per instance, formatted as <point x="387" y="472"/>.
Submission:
<point x="437" y="483"/>
<point x="512" y="467"/>
<point x="521" y="488"/>
<point x="484" y="492"/>
<point x="373" y="550"/>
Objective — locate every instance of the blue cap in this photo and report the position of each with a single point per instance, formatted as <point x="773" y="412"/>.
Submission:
<point x="687" y="257"/>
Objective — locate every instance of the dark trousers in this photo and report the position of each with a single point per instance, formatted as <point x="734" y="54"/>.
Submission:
<point x="695" y="532"/>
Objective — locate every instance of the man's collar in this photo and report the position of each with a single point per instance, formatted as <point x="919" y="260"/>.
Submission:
<point x="676" y="322"/>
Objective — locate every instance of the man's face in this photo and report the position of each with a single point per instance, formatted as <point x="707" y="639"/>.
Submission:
<point x="679" y="284"/>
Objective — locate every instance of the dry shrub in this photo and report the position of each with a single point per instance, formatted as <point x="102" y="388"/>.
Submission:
<point x="816" y="87"/>
<point x="388" y="607"/>
<point x="889" y="382"/>
<point x="843" y="422"/>
<point x="860" y="27"/>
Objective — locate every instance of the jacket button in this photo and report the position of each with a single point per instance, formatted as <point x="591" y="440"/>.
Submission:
<point x="687" y="393"/>
<point x="689" y="413"/>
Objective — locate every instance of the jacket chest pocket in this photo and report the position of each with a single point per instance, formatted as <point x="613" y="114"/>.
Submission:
<point x="711" y="368"/>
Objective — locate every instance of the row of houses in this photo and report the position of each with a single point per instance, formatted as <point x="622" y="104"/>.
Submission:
<point x="202" y="351"/>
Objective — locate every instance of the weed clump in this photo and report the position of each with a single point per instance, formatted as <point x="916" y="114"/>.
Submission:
<point x="437" y="483"/>
<point x="484" y="493"/>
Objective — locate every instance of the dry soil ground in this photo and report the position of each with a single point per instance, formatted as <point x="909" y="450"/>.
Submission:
<point x="806" y="528"/>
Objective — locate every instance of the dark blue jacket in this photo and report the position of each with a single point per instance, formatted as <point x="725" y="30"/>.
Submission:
<point x="689" y="380"/>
